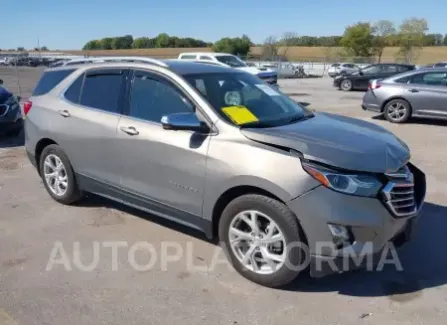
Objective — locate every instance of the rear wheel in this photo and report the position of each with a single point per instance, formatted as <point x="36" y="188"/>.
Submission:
<point x="263" y="240"/>
<point x="397" y="111"/>
<point x="58" y="176"/>
<point x="346" y="85"/>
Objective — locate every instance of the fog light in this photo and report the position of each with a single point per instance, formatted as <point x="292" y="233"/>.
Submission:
<point x="341" y="235"/>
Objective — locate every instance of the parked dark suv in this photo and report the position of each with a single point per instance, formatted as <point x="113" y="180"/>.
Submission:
<point x="360" y="79"/>
<point x="10" y="113"/>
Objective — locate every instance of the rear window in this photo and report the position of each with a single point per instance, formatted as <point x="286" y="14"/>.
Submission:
<point x="49" y="80"/>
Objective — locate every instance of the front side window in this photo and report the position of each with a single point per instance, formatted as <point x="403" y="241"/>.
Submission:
<point x="231" y="60"/>
<point x="151" y="98"/>
<point x="102" y="90"/>
<point x="269" y="106"/>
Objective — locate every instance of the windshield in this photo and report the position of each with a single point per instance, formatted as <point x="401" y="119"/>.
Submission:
<point x="267" y="106"/>
<point x="231" y="60"/>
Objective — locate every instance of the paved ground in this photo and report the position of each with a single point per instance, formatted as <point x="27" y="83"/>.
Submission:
<point x="31" y="224"/>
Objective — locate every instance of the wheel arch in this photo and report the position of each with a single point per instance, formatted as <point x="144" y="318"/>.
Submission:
<point x="40" y="146"/>
<point x="382" y="109"/>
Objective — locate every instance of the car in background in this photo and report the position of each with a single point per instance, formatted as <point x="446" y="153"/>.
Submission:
<point x="360" y="79"/>
<point x="440" y="65"/>
<point x="420" y="93"/>
<point x="10" y="113"/>
<point x="342" y="68"/>
<point x="4" y="61"/>
<point x="268" y="75"/>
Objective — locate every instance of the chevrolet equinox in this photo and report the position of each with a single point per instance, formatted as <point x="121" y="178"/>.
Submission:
<point x="219" y="150"/>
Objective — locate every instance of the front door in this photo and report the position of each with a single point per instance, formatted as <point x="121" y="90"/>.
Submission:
<point x="164" y="166"/>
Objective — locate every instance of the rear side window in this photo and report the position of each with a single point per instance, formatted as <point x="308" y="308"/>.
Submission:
<point x="206" y="58"/>
<point x="49" y="80"/>
<point x="102" y="90"/>
<point x="74" y="91"/>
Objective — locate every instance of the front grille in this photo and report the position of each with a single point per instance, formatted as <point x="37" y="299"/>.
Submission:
<point x="399" y="193"/>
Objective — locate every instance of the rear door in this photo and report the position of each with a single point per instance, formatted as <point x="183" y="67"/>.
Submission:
<point x="427" y="93"/>
<point x="87" y="123"/>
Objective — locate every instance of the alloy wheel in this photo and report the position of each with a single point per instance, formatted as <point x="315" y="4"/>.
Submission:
<point x="55" y="175"/>
<point x="257" y="242"/>
<point x="346" y="85"/>
<point x="396" y="111"/>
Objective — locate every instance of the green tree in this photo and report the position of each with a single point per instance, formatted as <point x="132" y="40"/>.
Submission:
<point x="382" y="30"/>
<point x="143" y="43"/>
<point x="92" y="45"/>
<point x="122" y="42"/>
<point x="20" y="49"/>
<point x="411" y="37"/>
<point x="358" y="39"/>
<point x="106" y="43"/>
<point x="445" y="40"/>
<point x="162" y="40"/>
<point x="238" y="45"/>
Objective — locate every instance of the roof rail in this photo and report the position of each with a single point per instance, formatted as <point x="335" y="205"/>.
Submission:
<point x="117" y="59"/>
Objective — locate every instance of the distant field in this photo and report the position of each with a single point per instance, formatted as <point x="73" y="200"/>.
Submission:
<point x="426" y="55"/>
<point x="312" y="54"/>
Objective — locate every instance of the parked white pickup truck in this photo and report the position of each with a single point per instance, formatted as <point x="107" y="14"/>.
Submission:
<point x="270" y="76"/>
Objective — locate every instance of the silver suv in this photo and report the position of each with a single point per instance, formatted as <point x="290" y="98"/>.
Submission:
<point x="219" y="150"/>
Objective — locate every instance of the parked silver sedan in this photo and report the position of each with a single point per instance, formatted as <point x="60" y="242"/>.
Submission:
<point x="419" y="93"/>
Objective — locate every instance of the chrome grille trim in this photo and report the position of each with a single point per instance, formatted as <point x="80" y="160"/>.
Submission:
<point x="399" y="195"/>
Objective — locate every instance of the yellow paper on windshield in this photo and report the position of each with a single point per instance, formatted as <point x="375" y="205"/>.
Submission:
<point x="239" y="114"/>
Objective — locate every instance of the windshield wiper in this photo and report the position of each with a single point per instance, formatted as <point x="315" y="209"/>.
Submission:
<point x="301" y="118"/>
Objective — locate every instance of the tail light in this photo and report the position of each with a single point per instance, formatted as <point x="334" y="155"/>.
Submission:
<point x="27" y="107"/>
<point x="374" y="85"/>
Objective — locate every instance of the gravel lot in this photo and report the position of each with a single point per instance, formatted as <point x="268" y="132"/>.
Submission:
<point x="172" y="293"/>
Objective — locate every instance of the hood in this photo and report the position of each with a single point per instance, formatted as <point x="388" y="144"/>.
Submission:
<point x="338" y="141"/>
<point x="258" y="71"/>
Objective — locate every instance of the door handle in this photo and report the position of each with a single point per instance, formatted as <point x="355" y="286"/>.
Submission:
<point x="129" y="130"/>
<point x="413" y="90"/>
<point x="64" y="113"/>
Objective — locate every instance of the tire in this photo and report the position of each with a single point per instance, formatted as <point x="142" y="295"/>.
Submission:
<point x="346" y="85"/>
<point x="286" y="223"/>
<point x="397" y="111"/>
<point x="72" y="193"/>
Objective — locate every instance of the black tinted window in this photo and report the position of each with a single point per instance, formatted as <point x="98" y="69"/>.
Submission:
<point x="102" y="91"/>
<point x="49" y="80"/>
<point x="74" y="91"/>
<point x="151" y="99"/>
<point x="205" y="58"/>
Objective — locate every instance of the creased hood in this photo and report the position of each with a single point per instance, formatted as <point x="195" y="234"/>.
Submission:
<point x="338" y="141"/>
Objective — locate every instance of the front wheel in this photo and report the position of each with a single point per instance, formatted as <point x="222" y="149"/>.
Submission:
<point x="397" y="111"/>
<point x="263" y="240"/>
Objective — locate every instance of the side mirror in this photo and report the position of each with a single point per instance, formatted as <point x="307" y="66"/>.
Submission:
<point x="183" y="121"/>
<point x="19" y="98"/>
<point x="1" y="82"/>
<point x="361" y="72"/>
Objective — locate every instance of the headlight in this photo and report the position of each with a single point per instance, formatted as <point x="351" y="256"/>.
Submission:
<point x="354" y="184"/>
